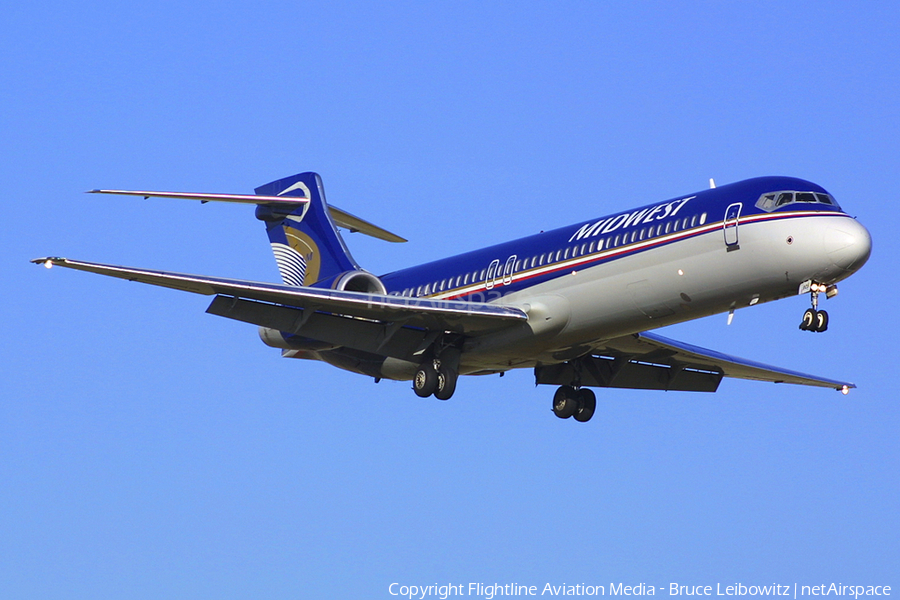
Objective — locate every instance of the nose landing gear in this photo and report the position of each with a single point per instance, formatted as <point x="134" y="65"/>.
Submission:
<point x="814" y="319"/>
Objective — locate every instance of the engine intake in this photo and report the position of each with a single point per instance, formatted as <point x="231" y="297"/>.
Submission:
<point x="359" y="281"/>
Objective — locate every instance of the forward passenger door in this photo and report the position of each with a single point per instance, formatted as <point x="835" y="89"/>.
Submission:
<point x="732" y="216"/>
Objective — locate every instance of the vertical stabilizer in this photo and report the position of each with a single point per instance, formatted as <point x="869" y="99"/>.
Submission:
<point x="305" y="241"/>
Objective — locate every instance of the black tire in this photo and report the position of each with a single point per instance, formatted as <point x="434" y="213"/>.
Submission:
<point x="587" y="404"/>
<point x="446" y="383"/>
<point x="809" y="320"/>
<point x="821" y="323"/>
<point x="565" y="402"/>
<point x="425" y="380"/>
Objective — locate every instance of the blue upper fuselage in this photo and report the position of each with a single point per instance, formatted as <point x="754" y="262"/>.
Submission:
<point x="487" y="273"/>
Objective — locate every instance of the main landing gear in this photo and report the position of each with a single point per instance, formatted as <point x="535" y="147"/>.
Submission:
<point x="434" y="377"/>
<point x="574" y="402"/>
<point x="814" y="319"/>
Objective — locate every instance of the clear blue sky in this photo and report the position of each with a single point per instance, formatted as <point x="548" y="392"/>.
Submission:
<point x="148" y="450"/>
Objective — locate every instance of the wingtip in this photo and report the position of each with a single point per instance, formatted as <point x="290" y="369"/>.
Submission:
<point x="48" y="261"/>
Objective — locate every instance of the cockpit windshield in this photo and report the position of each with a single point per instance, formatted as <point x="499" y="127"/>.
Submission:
<point x="773" y="200"/>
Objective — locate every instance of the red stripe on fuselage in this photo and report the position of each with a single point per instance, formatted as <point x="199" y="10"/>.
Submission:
<point x="603" y="256"/>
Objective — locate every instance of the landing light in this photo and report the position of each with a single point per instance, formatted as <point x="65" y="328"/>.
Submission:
<point x="48" y="263"/>
<point x="845" y="390"/>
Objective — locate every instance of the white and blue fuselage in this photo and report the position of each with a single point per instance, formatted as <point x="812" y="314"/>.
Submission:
<point x="664" y="263"/>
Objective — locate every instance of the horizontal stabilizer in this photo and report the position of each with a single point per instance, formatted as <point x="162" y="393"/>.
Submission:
<point x="341" y="218"/>
<point x="354" y="224"/>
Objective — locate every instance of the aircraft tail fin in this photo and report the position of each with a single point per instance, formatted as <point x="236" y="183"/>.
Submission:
<point x="300" y="224"/>
<point x="305" y="241"/>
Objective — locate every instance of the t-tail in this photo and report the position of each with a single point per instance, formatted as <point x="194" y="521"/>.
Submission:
<point x="302" y="228"/>
<point x="305" y="241"/>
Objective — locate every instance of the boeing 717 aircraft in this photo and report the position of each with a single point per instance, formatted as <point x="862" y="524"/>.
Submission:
<point x="575" y="304"/>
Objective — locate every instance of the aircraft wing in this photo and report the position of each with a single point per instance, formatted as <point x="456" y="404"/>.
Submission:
<point x="392" y="325"/>
<point x="651" y="361"/>
<point x="731" y="366"/>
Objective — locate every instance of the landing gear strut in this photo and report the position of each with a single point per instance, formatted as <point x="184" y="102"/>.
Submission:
<point x="814" y="319"/>
<point x="571" y="402"/>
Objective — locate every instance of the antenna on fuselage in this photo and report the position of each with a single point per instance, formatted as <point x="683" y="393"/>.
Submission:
<point x="712" y="183"/>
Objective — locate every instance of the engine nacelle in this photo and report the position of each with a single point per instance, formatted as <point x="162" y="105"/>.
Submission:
<point x="275" y="339"/>
<point x="359" y="281"/>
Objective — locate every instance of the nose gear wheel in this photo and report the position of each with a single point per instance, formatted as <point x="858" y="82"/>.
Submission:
<point x="814" y="319"/>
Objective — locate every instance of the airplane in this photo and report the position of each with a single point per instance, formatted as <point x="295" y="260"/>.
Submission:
<point x="576" y="304"/>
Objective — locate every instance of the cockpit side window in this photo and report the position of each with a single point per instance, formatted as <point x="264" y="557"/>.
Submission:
<point x="767" y="202"/>
<point x="784" y="198"/>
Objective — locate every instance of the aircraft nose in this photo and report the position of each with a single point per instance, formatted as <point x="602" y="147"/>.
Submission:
<point x="848" y="244"/>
